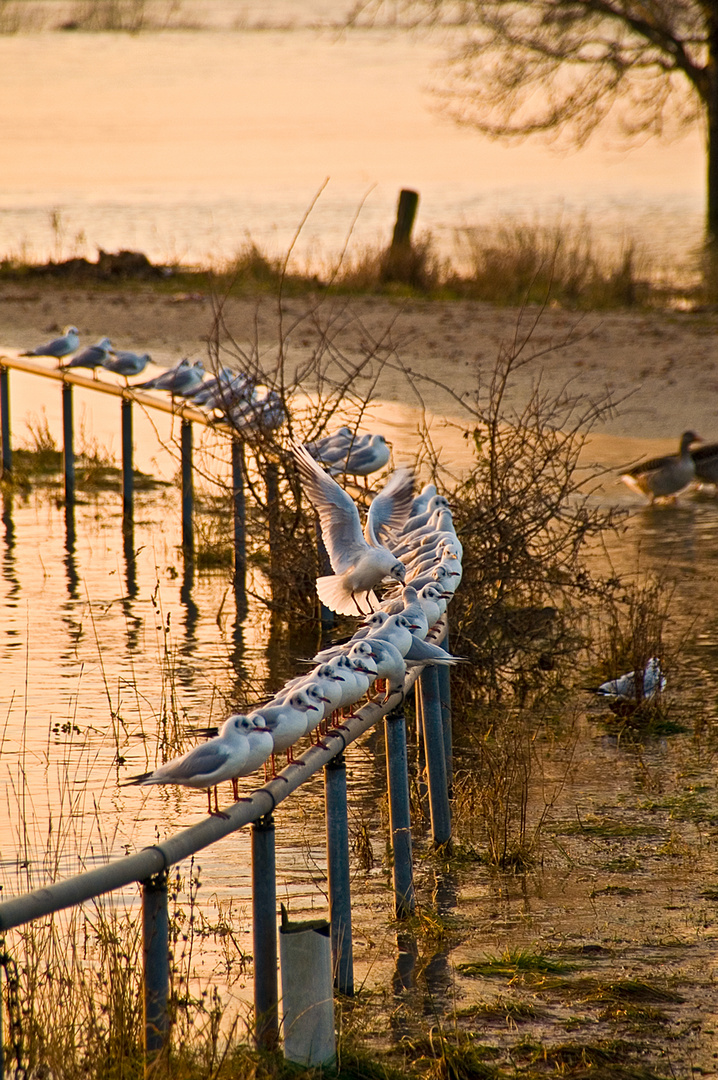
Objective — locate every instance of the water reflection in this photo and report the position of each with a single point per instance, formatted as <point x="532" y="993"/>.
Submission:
<point x="128" y="551"/>
<point x="73" y="578"/>
<point x="9" y="564"/>
<point x="407" y="955"/>
<point x="191" y="611"/>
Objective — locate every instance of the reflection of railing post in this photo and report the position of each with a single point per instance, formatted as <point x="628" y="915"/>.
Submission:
<point x="187" y="488"/>
<point x="435" y="756"/>
<point x="5" y="420"/>
<point x="67" y="443"/>
<point x="340" y="901"/>
<point x="397" y="768"/>
<point x="155" y="954"/>
<point x="240" y="523"/>
<point x="127" y="477"/>
<point x="264" y="929"/>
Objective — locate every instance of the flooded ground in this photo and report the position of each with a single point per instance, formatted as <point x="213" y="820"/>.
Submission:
<point x="102" y="643"/>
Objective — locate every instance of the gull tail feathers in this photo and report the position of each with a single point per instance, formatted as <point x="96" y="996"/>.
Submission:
<point x="334" y="594"/>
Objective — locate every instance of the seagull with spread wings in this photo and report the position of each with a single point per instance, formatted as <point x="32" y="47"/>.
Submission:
<point x="359" y="559"/>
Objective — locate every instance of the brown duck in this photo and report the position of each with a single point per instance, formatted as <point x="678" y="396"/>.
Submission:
<point x="665" y="477"/>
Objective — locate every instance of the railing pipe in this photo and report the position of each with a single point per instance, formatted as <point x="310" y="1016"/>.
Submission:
<point x="340" y="899"/>
<point x="5" y="420"/>
<point x="68" y="451"/>
<point x="397" y="767"/>
<point x="264" y="929"/>
<point x="187" y="488"/>
<point x="439" y="806"/>
<point x="127" y="475"/>
<point x="152" y="860"/>
<point x="156" y="962"/>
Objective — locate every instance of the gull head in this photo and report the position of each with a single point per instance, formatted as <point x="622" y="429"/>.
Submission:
<point x="397" y="572"/>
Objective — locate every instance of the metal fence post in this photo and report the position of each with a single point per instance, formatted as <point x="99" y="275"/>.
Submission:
<point x="5" y="420"/>
<point x="156" y="961"/>
<point x="187" y="488"/>
<point x="240" y="522"/>
<point x="67" y="443"/>
<point x="127" y="477"/>
<point x="397" y="769"/>
<point x="435" y="756"/>
<point x="264" y="924"/>
<point x="340" y="900"/>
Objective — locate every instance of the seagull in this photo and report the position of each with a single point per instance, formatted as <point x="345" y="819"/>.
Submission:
<point x="127" y="363"/>
<point x="421" y="501"/>
<point x="363" y="459"/>
<point x="389" y="665"/>
<point x="58" y="347"/>
<point x="417" y="521"/>
<point x="261" y="747"/>
<point x="287" y="719"/>
<point x="94" y="357"/>
<point x="209" y="764"/>
<point x="664" y="477"/>
<point x="330" y="447"/>
<point x="623" y="691"/>
<point x="359" y="560"/>
<point x="181" y="380"/>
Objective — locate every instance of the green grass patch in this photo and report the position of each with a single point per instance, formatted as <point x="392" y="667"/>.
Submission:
<point x="514" y="962"/>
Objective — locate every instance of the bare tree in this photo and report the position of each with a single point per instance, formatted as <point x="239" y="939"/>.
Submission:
<point x="560" y="67"/>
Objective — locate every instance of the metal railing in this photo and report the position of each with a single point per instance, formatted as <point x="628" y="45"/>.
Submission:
<point x="150" y="865"/>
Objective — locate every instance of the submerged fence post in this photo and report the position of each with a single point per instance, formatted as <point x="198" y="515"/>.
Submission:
<point x="127" y="477"/>
<point x="67" y="443"/>
<point x="156" y="962"/>
<point x="5" y="420"/>
<point x="435" y="756"/>
<point x="340" y="899"/>
<point x="240" y="527"/>
<point x="397" y="769"/>
<point x="187" y="488"/>
<point x="264" y="929"/>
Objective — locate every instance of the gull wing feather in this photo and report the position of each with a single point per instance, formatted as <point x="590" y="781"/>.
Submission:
<point x="390" y="508"/>
<point x="201" y="761"/>
<point x="339" y="517"/>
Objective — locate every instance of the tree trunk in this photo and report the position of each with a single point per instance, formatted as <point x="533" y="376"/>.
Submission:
<point x="711" y="104"/>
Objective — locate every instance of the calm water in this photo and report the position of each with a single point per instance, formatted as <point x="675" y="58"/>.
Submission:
<point x="184" y="144"/>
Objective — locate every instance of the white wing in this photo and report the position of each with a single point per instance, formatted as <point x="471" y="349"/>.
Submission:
<point x="339" y="517"/>
<point x="390" y="508"/>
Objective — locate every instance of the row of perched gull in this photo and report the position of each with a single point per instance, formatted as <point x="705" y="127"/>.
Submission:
<point x="408" y="542"/>
<point x="666" y="477"/>
<point x="228" y="395"/>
